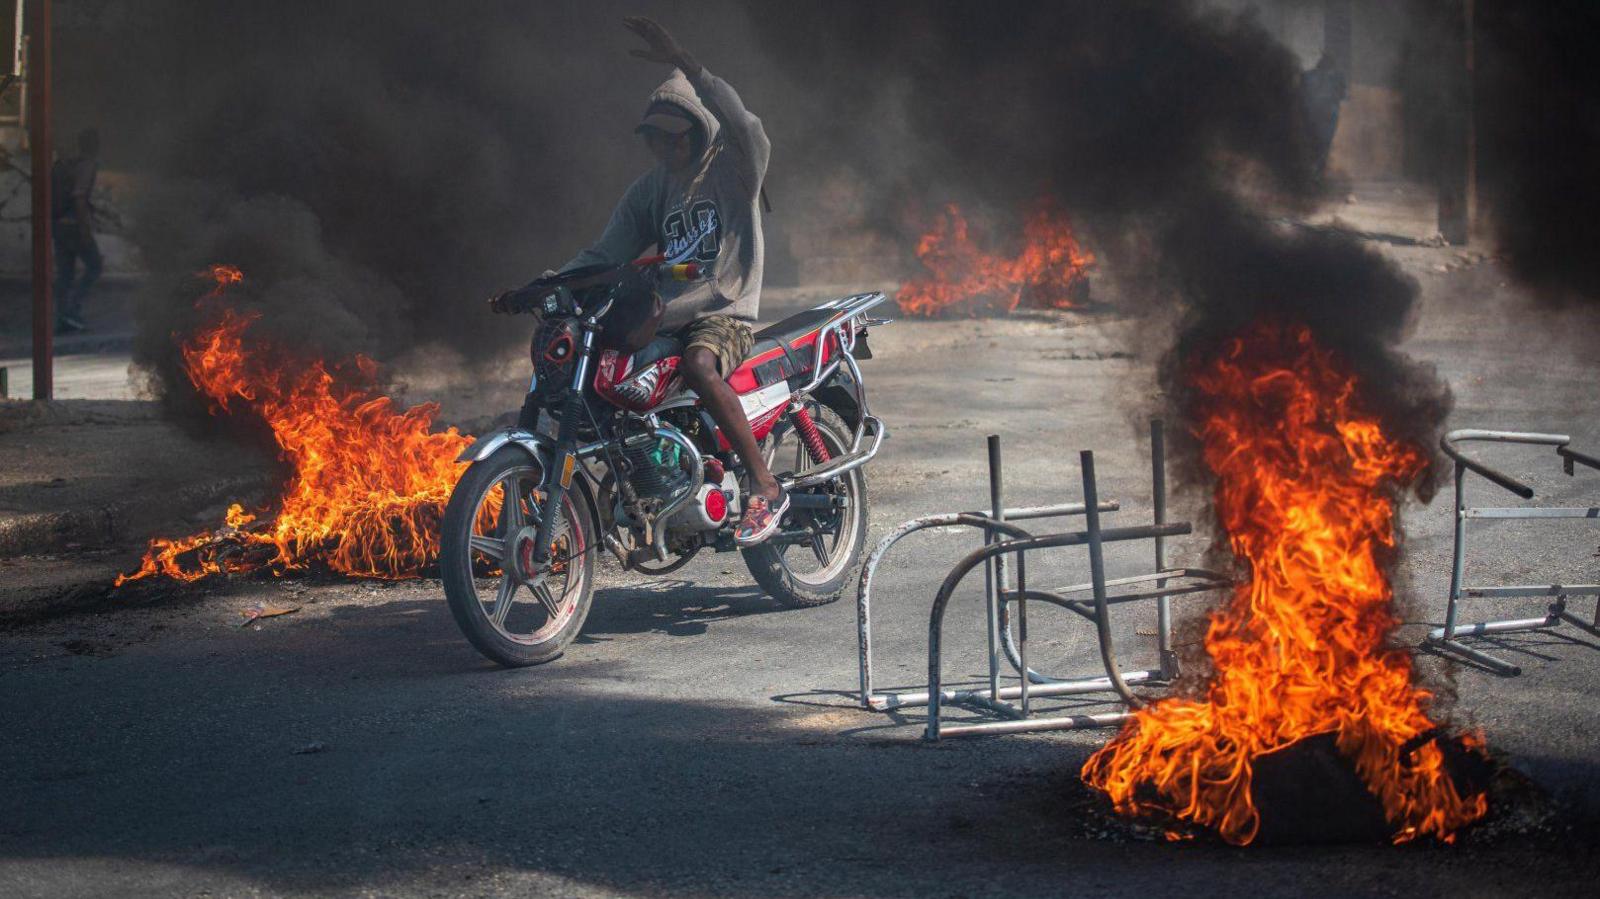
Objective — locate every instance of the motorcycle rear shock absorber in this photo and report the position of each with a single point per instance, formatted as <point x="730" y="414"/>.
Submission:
<point x="809" y="433"/>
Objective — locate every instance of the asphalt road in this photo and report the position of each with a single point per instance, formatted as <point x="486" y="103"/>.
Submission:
<point x="699" y="741"/>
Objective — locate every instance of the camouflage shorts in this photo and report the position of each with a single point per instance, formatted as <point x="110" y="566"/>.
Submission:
<point x="727" y="338"/>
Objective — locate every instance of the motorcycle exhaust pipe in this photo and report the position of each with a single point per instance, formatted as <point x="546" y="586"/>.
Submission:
<point x="617" y="549"/>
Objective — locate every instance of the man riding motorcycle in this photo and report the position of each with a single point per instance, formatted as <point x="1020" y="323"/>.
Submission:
<point x="701" y="204"/>
<point x="777" y="424"/>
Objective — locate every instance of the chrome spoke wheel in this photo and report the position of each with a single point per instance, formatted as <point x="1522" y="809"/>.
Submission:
<point x="524" y="601"/>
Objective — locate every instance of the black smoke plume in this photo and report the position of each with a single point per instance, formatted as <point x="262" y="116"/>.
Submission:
<point x="1171" y="131"/>
<point x="1537" y="93"/>
<point x="377" y="167"/>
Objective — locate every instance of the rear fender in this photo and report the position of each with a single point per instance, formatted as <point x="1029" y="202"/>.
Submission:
<point x="840" y="394"/>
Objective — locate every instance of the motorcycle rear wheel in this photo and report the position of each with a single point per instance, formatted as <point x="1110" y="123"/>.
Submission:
<point x="514" y="622"/>
<point x="800" y="575"/>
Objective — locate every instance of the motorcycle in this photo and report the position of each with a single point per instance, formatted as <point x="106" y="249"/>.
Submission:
<point x="611" y="449"/>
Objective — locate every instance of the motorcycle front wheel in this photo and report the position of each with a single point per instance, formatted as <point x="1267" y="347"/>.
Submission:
<point x="512" y="611"/>
<point x="815" y="553"/>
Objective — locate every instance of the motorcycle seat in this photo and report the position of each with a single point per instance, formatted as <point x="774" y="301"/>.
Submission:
<point x="782" y="350"/>
<point x="793" y="328"/>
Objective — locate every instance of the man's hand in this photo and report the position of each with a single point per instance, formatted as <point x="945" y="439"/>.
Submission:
<point x="500" y="303"/>
<point x="663" y="48"/>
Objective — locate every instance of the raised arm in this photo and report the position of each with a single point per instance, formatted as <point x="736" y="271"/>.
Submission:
<point x="741" y="126"/>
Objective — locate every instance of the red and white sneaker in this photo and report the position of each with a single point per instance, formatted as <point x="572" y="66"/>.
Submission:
<point x="761" y="518"/>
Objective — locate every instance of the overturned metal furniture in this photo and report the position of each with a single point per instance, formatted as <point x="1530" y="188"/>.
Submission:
<point x="1447" y="638"/>
<point x="1005" y="541"/>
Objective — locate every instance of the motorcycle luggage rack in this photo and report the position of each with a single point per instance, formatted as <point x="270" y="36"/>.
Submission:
<point x="1003" y="539"/>
<point x="1447" y="638"/>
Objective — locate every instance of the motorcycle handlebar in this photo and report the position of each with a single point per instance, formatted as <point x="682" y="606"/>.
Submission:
<point x="529" y="298"/>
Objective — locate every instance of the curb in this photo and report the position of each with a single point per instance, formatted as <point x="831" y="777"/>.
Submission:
<point x="44" y="532"/>
<point x="92" y="344"/>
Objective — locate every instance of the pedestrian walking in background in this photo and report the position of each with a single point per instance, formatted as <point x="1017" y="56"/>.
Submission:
<point x="1322" y="91"/>
<point x="72" y="225"/>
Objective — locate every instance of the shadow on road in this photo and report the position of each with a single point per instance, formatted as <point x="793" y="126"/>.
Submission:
<point x="369" y="748"/>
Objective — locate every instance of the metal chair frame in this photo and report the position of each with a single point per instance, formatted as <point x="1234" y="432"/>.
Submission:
<point x="1447" y="638"/>
<point x="999" y="525"/>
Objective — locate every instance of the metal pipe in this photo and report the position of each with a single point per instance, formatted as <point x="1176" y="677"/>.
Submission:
<point x="1005" y="709"/>
<point x="1059" y="510"/>
<point x="697" y="476"/>
<point x="1207" y="581"/>
<point x="1569" y="456"/>
<point x="1533" y="590"/>
<point x="861" y="387"/>
<point x="1068" y="687"/>
<point x="1445" y="637"/>
<point x="869" y="568"/>
<point x="1022" y="626"/>
<point x="1019" y="545"/>
<point x="993" y="570"/>
<point x="1066" y="722"/>
<point x="39" y="149"/>
<point x="1508" y="626"/>
<point x="1482" y="658"/>
<point x="843" y="464"/>
<point x="1575" y="621"/>
<point x="1158" y="495"/>
<point x="1097" y="573"/>
<point x="1518" y="512"/>
<point x="1165" y="575"/>
<point x="936" y="616"/>
<point x="951" y="519"/>
<point x="1458" y="562"/>
<point x="1448" y="444"/>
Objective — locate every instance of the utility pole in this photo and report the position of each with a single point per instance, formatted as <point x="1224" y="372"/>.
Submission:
<point x="39" y="146"/>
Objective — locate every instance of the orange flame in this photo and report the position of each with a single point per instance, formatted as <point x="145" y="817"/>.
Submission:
<point x="1306" y="486"/>
<point x="1047" y="273"/>
<point x="368" y="483"/>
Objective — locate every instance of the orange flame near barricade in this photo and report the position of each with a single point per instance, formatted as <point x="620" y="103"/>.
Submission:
<point x="368" y="484"/>
<point x="1306" y="489"/>
<point x="1049" y="272"/>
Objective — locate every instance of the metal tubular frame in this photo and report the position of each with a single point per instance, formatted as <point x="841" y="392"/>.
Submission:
<point x="1447" y="638"/>
<point x="1003" y="538"/>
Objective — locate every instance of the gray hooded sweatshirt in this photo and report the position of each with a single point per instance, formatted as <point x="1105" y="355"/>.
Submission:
<point x="708" y="213"/>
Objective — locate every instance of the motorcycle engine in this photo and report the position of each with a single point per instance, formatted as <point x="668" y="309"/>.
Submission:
<point x="655" y="466"/>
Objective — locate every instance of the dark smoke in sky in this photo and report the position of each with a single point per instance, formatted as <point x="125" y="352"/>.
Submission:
<point x="378" y="167"/>
<point x="1169" y="130"/>
<point x="1538" y="101"/>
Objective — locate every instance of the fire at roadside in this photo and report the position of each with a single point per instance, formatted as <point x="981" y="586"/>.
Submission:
<point x="1049" y="270"/>
<point x="368" y="482"/>
<point x="1306" y="488"/>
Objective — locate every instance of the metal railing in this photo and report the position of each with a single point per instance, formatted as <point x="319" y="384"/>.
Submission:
<point x="1446" y="638"/>
<point x="1008" y="636"/>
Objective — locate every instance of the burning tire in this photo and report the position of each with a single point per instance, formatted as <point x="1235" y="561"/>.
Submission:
<point x="814" y="571"/>
<point x="514" y="611"/>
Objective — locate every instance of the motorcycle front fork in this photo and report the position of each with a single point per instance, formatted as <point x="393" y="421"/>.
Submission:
<point x="564" y="461"/>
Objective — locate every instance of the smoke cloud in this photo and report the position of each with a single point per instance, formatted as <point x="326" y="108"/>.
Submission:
<point x="1538" y="139"/>
<point x="375" y="168"/>
<point x="379" y="167"/>
<point x="1171" y="132"/>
